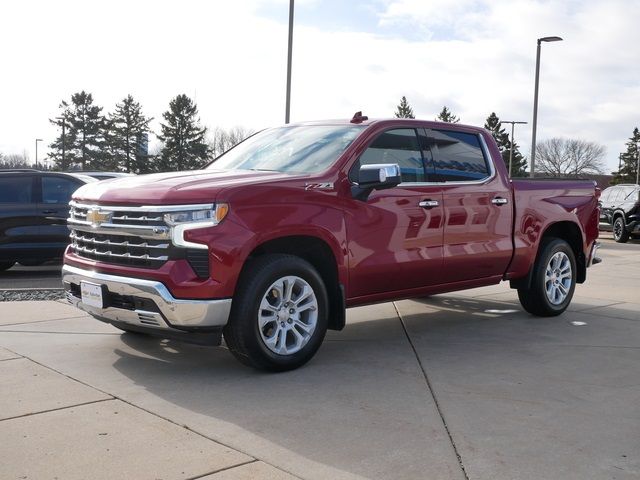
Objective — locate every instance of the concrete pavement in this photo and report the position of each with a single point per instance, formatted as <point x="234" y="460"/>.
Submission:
<point x="458" y="386"/>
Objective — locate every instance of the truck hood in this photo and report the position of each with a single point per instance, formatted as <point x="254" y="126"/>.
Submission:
<point x="200" y="186"/>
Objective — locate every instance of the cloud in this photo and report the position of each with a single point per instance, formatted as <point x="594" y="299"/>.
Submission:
<point x="471" y="55"/>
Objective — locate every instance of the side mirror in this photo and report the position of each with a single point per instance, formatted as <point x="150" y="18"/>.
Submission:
<point x="378" y="176"/>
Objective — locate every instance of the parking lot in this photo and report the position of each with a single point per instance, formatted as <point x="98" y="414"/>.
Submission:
<point x="455" y="386"/>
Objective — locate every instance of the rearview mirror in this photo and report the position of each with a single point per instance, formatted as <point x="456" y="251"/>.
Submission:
<point x="377" y="176"/>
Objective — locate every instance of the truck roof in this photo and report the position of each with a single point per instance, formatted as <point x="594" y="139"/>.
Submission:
<point x="391" y="121"/>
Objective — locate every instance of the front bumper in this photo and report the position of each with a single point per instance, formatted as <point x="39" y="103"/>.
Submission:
<point x="146" y="304"/>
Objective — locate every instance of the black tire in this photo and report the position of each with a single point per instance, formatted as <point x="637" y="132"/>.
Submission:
<point x="243" y="335"/>
<point x="620" y="232"/>
<point x="535" y="300"/>
<point x="6" y="265"/>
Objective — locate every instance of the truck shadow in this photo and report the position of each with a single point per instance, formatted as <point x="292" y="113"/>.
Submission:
<point x="363" y="379"/>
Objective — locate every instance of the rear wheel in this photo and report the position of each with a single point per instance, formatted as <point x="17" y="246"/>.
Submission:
<point x="6" y="265"/>
<point x="553" y="282"/>
<point x="279" y="314"/>
<point x="620" y="232"/>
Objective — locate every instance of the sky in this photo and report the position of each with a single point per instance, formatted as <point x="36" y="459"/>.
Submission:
<point x="474" y="56"/>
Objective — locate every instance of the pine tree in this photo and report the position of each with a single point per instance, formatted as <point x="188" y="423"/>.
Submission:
<point x="404" y="110"/>
<point x="127" y="129"/>
<point x="628" y="170"/>
<point x="447" y="116"/>
<point x="184" y="145"/>
<point x="59" y="148"/>
<point x="84" y="136"/>
<point x="518" y="163"/>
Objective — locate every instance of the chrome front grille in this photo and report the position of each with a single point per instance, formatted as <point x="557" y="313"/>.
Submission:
<point x="135" y="236"/>
<point x="116" y="249"/>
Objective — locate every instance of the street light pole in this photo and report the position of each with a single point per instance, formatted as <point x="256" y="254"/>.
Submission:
<point x="512" y="141"/>
<point x="37" y="140"/>
<point x="289" y="53"/>
<point x="535" y="101"/>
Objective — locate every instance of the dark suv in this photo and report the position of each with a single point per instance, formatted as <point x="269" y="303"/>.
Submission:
<point x="620" y="211"/>
<point x="34" y="207"/>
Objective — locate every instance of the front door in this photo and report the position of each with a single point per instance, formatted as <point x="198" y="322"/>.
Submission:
<point x="395" y="236"/>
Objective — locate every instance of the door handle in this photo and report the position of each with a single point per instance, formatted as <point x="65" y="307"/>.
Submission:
<point x="499" y="201"/>
<point x="429" y="203"/>
<point x="49" y="212"/>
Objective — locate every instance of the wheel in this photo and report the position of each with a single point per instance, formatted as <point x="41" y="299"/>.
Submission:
<point x="620" y="232"/>
<point x="553" y="282"/>
<point x="6" y="265"/>
<point x="279" y="314"/>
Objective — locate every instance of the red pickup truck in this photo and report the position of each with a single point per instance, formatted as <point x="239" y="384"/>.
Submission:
<point x="272" y="241"/>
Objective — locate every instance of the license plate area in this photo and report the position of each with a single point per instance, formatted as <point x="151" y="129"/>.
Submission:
<point x="92" y="294"/>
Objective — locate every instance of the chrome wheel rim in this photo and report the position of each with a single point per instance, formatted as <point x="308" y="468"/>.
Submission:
<point x="558" y="277"/>
<point x="617" y="229"/>
<point x="288" y="315"/>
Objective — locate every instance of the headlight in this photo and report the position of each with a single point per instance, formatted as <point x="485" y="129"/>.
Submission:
<point x="203" y="216"/>
<point x="208" y="216"/>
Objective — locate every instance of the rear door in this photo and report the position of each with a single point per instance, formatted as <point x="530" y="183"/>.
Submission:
<point x="19" y="218"/>
<point x="478" y="210"/>
<point x="395" y="237"/>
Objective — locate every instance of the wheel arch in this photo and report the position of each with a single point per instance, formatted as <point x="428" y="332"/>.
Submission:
<point x="572" y="234"/>
<point x="321" y="256"/>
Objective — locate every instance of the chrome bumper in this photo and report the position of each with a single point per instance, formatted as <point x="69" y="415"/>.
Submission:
<point x="166" y="312"/>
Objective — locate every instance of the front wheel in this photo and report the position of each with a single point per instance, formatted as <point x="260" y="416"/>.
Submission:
<point x="553" y="282"/>
<point x="620" y="232"/>
<point x="279" y="314"/>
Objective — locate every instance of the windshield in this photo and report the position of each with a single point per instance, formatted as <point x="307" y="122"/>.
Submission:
<point x="298" y="149"/>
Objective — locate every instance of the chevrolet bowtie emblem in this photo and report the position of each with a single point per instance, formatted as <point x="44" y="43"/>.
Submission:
<point x="96" y="217"/>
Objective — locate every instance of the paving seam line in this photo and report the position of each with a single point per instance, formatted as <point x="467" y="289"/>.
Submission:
<point x="432" y="392"/>
<point x="57" y="409"/>
<point x="222" y="470"/>
<point x="7" y="359"/>
<point x="58" y="333"/>
<point x="116" y="397"/>
<point x="41" y="321"/>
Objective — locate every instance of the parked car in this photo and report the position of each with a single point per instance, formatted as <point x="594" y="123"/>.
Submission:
<point x="34" y="206"/>
<point x="277" y="237"/>
<point x="620" y="211"/>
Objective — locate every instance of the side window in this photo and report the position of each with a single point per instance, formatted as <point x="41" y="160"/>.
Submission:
<point x="606" y="195"/>
<point x="16" y="189"/>
<point x="617" y="195"/>
<point x="57" y="189"/>
<point x="396" y="146"/>
<point x="458" y="156"/>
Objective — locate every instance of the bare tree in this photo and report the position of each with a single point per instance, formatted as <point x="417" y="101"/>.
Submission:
<point x="221" y="140"/>
<point x="15" y="161"/>
<point x="562" y="157"/>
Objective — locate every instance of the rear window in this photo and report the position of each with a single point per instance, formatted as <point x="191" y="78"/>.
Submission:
<point x="458" y="156"/>
<point x="16" y="189"/>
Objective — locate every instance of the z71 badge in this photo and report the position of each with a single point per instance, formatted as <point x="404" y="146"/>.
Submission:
<point x="318" y="186"/>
